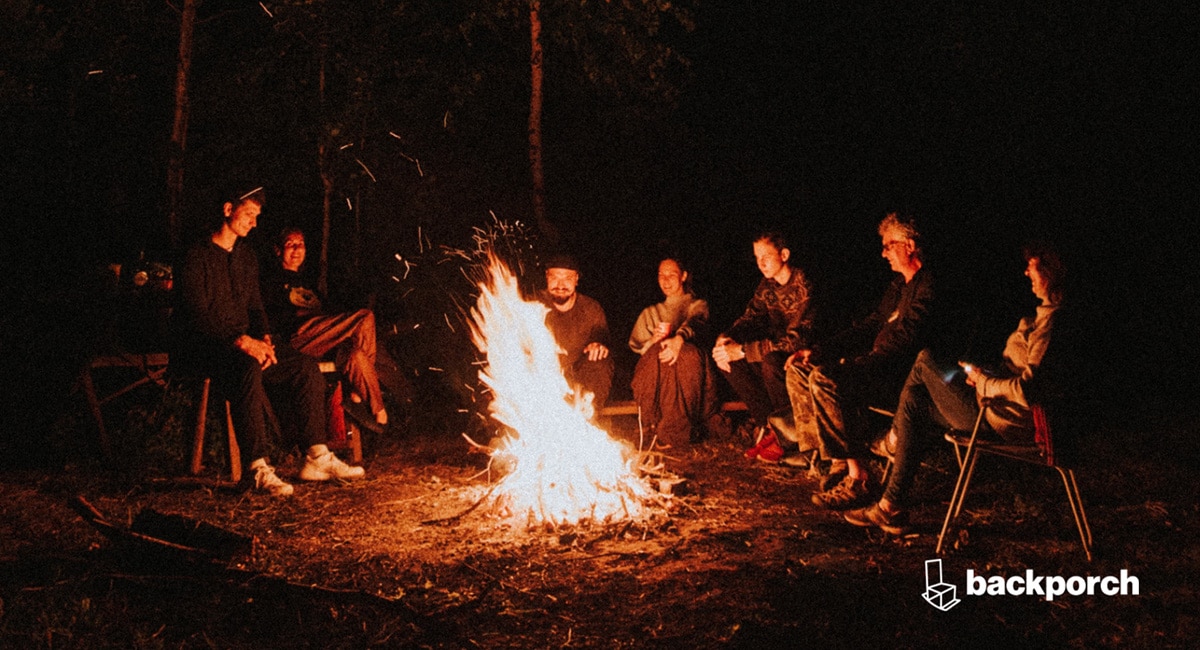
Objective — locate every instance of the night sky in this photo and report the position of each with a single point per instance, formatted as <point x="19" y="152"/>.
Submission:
<point x="992" y="125"/>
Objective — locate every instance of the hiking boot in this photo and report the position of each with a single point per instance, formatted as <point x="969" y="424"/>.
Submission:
<point x="893" y="524"/>
<point x="884" y="447"/>
<point x="844" y="495"/>
<point x="837" y="472"/>
<point x="268" y="481"/>
<point x="327" y="466"/>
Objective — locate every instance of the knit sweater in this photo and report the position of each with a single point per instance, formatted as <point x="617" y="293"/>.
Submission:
<point x="778" y="318"/>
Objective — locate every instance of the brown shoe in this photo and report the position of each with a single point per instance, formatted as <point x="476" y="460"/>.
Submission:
<point x="837" y="472"/>
<point x="884" y="447"/>
<point x="844" y="495"/>
<point x="893" y="524"/>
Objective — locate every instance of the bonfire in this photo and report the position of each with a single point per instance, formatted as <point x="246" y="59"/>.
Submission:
<point x="565" y="469"/>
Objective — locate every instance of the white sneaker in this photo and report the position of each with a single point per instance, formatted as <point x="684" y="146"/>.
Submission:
<point x="327" y="466"/>
<point x="267" y="480"/>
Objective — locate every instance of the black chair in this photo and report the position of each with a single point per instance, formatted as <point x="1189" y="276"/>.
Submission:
<point x="1040" y="452"/>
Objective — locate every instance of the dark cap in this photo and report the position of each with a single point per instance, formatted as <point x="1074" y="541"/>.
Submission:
<point x="561" y="261"/>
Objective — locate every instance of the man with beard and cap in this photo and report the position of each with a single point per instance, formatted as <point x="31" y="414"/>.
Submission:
<point x="580" y="328"/>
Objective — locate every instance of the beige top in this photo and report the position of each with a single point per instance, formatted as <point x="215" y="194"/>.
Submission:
<point x="1023" y="354"/>
<point x="684" y="312"/>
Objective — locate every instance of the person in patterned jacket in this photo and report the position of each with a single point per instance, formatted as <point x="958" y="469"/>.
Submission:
<point x="777" y="322"/>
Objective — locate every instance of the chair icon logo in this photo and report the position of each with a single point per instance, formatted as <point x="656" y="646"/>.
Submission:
<point x="938" y="593"/>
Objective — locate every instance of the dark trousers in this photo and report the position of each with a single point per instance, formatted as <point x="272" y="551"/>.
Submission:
<point x="935" y="398"/>
<point x="677" y="399"/>
<point x="295" y="383"/>
<point x="760" y="384"/>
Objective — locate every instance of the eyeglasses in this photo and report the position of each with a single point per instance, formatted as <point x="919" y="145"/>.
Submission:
<point x="889" y="245"/>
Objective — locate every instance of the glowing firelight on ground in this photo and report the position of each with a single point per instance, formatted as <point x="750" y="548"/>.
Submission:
<point x="566" y="469"/>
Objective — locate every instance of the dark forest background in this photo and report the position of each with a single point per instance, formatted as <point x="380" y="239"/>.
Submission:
<point x="684" y="126"/>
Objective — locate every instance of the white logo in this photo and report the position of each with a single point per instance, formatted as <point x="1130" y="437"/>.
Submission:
<point x="940" y="594"/>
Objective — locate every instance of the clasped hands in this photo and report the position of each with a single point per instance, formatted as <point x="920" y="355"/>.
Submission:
<point x="726" y="351"/>
<point x="261" y="349"/>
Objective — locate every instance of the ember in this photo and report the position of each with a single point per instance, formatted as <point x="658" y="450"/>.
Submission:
<point x="566" y="470"/>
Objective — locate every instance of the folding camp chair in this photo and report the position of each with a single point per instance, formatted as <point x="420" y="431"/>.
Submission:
<point x="1040" y="452"/>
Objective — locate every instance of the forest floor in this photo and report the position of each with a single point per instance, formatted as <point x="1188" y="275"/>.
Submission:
<point x="739" y="557"/>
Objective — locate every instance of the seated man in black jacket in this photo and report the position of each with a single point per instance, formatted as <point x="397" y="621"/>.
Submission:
<point x="225" y="335"/>
<point x="830" y="389"/>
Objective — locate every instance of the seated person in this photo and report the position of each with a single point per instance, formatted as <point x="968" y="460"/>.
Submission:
<point x="580" y="328"/>
<point x="225" y="334"/>
<point x="296" y="314"/>
<point x="673" y="383"/>
<point x="777" y="322"/>
<point x="830" y="390"/>
<point x="929" y="403"/>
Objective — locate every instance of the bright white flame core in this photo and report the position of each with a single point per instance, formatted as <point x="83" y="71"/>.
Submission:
<point x="567" y="469"/>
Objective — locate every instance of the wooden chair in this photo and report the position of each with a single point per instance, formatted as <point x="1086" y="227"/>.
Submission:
<point x="235" y="454"/>
<point x="150" y="367"/>
<point x="1041" y="452"/>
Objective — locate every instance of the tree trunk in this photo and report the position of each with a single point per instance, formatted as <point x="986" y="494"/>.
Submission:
<point x="535" y="120"/>
<point x="187" y="23"/>
<point x="326" y="184"/>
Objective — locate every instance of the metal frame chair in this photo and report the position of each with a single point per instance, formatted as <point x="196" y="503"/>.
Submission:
<point x="1041" y="452"/>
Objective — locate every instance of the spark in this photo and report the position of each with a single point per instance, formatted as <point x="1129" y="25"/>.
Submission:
<point x="268" y="11"/>
<point x="448" y="323"/>
<point x="92" y="72"/>
<point x="349" y="205"/>
<point x="346" y="146"/>
<point x="435" y="369"/>
<point x="360" y="164"/>
<point x="393" y="134"/>
<point x="420" y="172"/>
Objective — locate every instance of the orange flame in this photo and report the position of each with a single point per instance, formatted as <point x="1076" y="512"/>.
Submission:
<point x="566" y="469"/>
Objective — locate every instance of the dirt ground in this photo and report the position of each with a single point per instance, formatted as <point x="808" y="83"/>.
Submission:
<point x="741" y="558"/>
